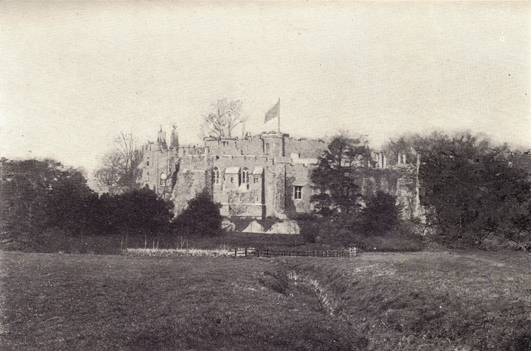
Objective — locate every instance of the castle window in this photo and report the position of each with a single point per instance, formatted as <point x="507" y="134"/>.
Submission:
<point x="216" y="175"/>
<point x="245" y="175"/>
<point x="256" y="179"/>
<point x="147" y="163"/>
<point x="297" y="192"/>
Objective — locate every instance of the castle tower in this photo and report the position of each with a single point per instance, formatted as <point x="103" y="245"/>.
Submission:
<point x="161" y="140"/>
<point x="273" y="144"/>
<point x="174" y="142"/>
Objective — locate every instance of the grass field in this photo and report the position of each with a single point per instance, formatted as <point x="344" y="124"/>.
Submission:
<point x="376" y="301"/>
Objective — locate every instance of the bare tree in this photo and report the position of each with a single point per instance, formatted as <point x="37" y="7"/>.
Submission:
<point x="226" y="116"/>
<point x="120" y="172"/>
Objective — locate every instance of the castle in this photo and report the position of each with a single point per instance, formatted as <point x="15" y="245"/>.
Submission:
<point x="262" y="176"/>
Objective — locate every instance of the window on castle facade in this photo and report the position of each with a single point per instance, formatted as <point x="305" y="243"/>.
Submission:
<point x="297" y="194"/>
<point x="256" y="179"/>
<point x="216" y="175"/>
<point x="245" y="176"/>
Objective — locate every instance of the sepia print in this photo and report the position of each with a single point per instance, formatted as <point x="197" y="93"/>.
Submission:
<point x="265" y="175"/>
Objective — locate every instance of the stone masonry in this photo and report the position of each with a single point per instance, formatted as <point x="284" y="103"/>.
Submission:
<point x="262" y="176"/>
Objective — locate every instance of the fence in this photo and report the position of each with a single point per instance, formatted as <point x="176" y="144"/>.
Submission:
<point x="245" y="252"/>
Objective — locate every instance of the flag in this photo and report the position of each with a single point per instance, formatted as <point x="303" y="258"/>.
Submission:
<point x="273" y="112"/>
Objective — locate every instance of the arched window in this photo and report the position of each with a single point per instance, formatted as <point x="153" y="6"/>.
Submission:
<point x="245" y="175"/>
<point x="215" y="174"/>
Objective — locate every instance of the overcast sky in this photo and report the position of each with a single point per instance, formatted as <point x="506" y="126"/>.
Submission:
<point x="74" y="75"/>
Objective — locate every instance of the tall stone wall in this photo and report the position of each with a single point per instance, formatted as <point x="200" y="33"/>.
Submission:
<point x="282" y="167"/>
<point x="399" y="181"/>
<point x="189" y="183"/>
<point x="158" y="165"/>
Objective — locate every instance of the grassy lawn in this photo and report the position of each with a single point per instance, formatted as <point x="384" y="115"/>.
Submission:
<point x="377" y="301"/>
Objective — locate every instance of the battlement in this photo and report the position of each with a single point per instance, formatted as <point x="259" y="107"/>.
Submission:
<point x="265" y="175"/>
<point x="190" y="150"/>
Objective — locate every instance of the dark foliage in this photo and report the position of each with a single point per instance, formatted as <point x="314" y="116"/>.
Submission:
<point x="36" y="195"/>
<point x="139" y="212"/>
<point x="201" y="217"/>
<point x="335" y="233"/>
<point x="337" y="178"/>
<point x="381" y="214"/>
<point x="309" y="227"/>
<point x="43" y="201"/>
<point x="472" y="189"/>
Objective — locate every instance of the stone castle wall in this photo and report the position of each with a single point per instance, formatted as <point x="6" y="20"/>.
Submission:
<point x="266" y="176"/>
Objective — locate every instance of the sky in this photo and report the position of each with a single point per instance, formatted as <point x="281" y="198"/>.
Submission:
<point x="73" y="75"/>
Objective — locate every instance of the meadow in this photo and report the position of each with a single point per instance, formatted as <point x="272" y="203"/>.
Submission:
<point x="448" y="300"/>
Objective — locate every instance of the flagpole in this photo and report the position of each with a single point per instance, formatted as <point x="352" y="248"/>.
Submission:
<point x="278" y="115"/>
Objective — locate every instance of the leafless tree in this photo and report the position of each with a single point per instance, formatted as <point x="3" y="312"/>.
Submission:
<point x="226" y="116"/>
<point x="120" y="172"/>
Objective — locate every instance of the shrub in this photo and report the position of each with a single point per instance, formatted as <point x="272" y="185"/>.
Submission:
<point x="309" y="227"/>
<point x="201" y="217"/>
<point x="381" y="215"/>
<point x="140" y="211"/>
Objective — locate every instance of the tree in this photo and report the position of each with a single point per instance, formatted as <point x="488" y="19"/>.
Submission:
<point x="226" y="116"/>
<point x="471" y="190"/>
<point x="401" y="146"/>
<point x="337" y="176"/>
<point x="120" y="172"/>
<point x="201" y="217"/>
<point x="42" y="194"/>
<point x="380" y="215"/>
<point x="139" y="211"/>
<point x="70" y="204"/>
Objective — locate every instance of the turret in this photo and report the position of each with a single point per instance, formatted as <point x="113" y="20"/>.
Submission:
<point x="161" y="140"/>
<point x="273" y="144"/>
<point x="174" y="143"/>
